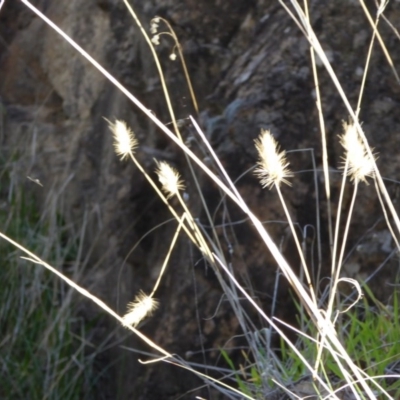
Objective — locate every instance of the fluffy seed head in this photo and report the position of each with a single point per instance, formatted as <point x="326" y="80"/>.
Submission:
<point x="272" y="166"/>
<point x="360" y="164"/>
<point x="156" y="39"/>
<point x="138" y="309"/>
<point x="154" y="25"/>
<point x="169" y="178"/>
<point x="124" y="139"/>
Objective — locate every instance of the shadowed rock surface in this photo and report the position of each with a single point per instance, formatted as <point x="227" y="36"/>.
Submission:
<point x="249" y="64"/>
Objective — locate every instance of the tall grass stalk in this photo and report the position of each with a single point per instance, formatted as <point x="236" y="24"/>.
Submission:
<point x="165" y="355"/>
<point x="310" y="35"/>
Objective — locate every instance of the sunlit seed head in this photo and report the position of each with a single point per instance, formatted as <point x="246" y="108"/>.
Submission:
<point x="154" y="25"/>
<point x="272" y="166"/>
<point x="155" y="40"/>
<point x="169" y="179"/>
<point x="124" y="139"/>
<point x="360" y="164"/>
<point x="140" y="308"/>
<point x="172" y="56"/>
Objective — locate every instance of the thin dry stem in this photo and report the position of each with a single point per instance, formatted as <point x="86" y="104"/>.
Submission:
<point x="158" y="65"/>
<point x="374" y="26"/>
<point x="321" y="120"/>
<point x="184" y="67"/>
<point x="144" y="305"/>
<point x="272" y="170"/>
<point x="367" y="63"/>
<point x="166" y="260"/>
<point x="299" y="249"/>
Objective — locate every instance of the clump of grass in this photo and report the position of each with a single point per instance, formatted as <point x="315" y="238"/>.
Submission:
<point x="371" y="335"/>
<point x="339" y="346"/>
<point x="42" y="342"/>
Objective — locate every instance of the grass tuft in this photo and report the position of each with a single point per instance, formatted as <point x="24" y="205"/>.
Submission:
<point x="43" y="354"/>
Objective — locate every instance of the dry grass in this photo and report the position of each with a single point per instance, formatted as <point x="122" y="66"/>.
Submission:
<point x="325" y="349"/>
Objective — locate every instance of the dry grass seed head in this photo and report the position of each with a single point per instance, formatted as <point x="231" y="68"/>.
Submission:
<point x="272" y="166"/>
<point x="360" y="163"/>
<point x="138" y="309"/>
<point x="155" y="40"/>
<point x="169" y="178"/>
<point x="124" y="139"/>
<point x="154" y="23"/>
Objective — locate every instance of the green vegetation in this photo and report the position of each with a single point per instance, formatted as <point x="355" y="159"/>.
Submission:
<point x="370" y="333"/>
<point x="371" y="336"/>
<point x="42" y="348"/>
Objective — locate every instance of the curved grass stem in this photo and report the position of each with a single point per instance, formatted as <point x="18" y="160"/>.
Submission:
<point x="299" y="249"/>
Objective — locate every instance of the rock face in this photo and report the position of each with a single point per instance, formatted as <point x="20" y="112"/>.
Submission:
<point x="249" y="64"/>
